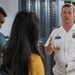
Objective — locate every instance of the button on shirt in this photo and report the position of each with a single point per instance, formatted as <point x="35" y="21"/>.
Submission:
<point x="65" y="52"/>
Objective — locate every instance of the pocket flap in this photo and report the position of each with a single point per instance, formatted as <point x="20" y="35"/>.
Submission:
<point x="71" y="66"/>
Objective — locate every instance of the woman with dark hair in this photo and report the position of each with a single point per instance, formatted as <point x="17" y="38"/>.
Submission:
<point x="22" y="54"/>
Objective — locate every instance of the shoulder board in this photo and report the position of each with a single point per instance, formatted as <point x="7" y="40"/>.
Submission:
<point x="56" y="27"/>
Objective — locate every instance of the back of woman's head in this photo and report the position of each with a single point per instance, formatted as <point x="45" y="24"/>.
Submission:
<point x="22" y="42"/>
<point x="25" y="30"/>
<point x="26" y="24"/>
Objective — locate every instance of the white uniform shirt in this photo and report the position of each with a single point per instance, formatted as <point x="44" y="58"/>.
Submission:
<point x="65" y="53"/>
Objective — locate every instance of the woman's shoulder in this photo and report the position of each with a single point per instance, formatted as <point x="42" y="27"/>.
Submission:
<point x="37" y="65"/>
<point x="35" y="56"/>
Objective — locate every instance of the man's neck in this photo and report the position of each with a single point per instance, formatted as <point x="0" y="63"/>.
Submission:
<point x="67" y="27"/>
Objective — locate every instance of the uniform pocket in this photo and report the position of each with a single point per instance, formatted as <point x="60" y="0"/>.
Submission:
<point x="57" y="44"/>
<point x="72" y="49"/>
<point x="73" y="43"/>
<point x="73" y="40"/>
<point x="71" y="66"/>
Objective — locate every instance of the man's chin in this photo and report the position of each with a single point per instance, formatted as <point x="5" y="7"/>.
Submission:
<point x="67" y="22"/>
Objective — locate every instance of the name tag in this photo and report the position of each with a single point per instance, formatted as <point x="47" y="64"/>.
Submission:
<point x="58" y="37"/>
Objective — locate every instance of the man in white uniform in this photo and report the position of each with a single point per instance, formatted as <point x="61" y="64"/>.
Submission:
<point x="62" y="42"/>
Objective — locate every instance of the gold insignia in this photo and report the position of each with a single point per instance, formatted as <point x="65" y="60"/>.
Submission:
<point x="57" y="48"/>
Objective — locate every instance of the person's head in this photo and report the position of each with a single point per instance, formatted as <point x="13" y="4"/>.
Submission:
<point x="68" y="13"/>
<point x="3" y="14"/>
<point x="23" y="42"/>
<point x="26" y="26"/>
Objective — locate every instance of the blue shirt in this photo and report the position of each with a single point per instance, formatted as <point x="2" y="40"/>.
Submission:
<point x="2" y="41"/>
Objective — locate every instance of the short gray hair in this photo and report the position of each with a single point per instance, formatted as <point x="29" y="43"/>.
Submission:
<point x="69" y="5"/>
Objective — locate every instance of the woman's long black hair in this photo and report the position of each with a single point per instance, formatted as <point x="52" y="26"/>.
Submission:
<point x="22" y="43"/>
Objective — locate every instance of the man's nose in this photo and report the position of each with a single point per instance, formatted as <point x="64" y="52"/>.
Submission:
<point x="67" y="14"/>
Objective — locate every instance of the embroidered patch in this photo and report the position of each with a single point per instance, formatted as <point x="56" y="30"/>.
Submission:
<point x="73" y="36"/>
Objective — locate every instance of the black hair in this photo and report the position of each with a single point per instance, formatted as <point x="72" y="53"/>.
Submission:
<point x="22" y="43"/>
<point x="2" y="11"/>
